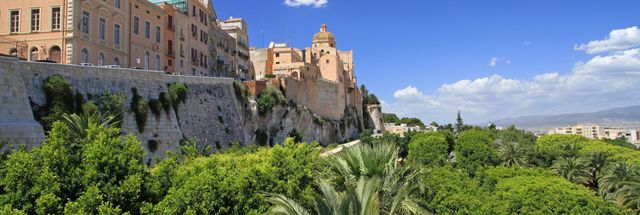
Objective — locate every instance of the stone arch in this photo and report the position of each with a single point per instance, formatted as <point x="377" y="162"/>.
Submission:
<point x="34" y="53"/>
<point x="55" y="54"/>
<point x="295" y="75"/>
<point x="84" y="55"/>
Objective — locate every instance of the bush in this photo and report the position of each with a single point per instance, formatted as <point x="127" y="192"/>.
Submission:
<point x="140" y="109"/>
<point x="165" y="100"/>
<point x="156" y="107"/>
<point x="60" y="100"/>
<point x="89" y="107"/>
<point x="240" y="90"/>
<point x="268" y="99"/>
<point x="113" y="104"/>
<point x="269" y="76"/>
<point x="178" y="94"/>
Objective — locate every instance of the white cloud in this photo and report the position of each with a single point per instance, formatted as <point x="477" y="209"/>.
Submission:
<point x="602" y="82"/>
<point x="493" y="62"/>
<point x="619" y="39"/>
<point x="313" y="3"/>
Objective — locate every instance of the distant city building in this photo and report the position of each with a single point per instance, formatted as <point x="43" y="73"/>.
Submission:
<point x="588" y="131"/>
<point x="237" y="29"/>
<point x="598" y="132"/>
<point x="403" y="128"/>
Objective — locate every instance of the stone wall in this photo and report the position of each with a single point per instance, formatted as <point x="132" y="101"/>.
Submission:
<point x="327" y="98"/>
<point x="17" y="124"/>
<point x="211" y="114"/>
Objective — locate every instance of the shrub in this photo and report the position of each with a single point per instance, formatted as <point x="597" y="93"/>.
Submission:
<point x="140" y="109"/>
<point x="89" y="107"/>
<point x="165" y="100"/>
<point x="113" y="104"/>
<point x="60" y="100"/>
<point x="240" y="90"/>
<point x="296" y="135"/>
<point x="156" y="107"/>
<point x="178" y="94"/>
<point x="269" y="76"/>
<point x="268" y="99"/>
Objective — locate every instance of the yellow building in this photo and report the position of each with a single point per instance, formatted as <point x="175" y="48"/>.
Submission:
<point x="66" y="31"/>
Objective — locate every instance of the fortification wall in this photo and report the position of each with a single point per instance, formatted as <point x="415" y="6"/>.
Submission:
<point x="211" y="114"/>
<point x="17" y="124"/>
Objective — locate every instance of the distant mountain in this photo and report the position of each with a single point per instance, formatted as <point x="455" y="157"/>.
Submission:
<point x="615" y="116"/>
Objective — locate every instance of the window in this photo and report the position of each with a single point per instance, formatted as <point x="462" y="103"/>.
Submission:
<point x="158" y="62"/>
<point x="147" y="29"/>
<point x="34" y="54"/>
<point x="15" y="21"/>
<point x="277" y="54"/>
<point x="85" y="22"/>
<point x="158" y="33"/>
<point x="194" y="30"/>
<point x="84" y="58"/>
<point x="136" y="25"/>
<point x="170" y="22"/>
<point x="146" y="60"/>
<point x="35" y="19"/>
<point x="102" y="28"/>
<point x="55" y="18"/>
<point x="117" y="3"/>
<point x="116" y="61"/>
<point x="327" y="61"/>
<point x="116" y="34"/>
<point x="194" y="11"/>
<point x="170" y="48"/>
<point x="100" y="59"/>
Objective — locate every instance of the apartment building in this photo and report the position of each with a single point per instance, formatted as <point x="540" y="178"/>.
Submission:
<point x="62" y="31"/>
<point x="237" y="29"/>
<point x="588" y="131"/>
<point x="176" y="36"/>
<point x="147" y="28"/>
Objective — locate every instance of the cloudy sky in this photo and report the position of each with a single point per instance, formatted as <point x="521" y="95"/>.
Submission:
<point x="489" y="59"/>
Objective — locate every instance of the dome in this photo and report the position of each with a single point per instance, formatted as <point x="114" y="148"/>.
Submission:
<point x="324" y="36"/>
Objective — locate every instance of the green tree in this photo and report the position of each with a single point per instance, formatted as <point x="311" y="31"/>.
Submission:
<point x="429" y="149"/>
<point x="473" y="149"/>
<point x="459" y="123"/>
<point x="390" y="118"/>
<point x="512" y="153"/>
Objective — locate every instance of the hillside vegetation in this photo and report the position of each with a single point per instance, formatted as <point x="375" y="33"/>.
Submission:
<point x="85" y="166"/>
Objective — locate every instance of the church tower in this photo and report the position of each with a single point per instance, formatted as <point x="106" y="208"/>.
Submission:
<point x="324" y="38"/>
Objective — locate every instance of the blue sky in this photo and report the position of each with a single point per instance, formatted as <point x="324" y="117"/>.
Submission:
<point x="428" y="59"/>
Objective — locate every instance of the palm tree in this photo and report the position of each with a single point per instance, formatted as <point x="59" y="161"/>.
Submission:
<point x="512" y="153"/>
<point x="572" y="169"/>
<point x="615" y="178"/>
<point x="360" y="180"/>
<point x="190" y="149"/>
<point x="596" y="161"/>
<point x="629" y="194"/>
<point x="78" y="124"/>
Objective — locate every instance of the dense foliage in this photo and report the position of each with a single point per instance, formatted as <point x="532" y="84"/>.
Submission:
<point x="392" y="118"/>
<point x="268" y="99"/>
<point x="86" y="166"/>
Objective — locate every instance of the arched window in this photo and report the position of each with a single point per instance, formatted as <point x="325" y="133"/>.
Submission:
<point x="146" y="60"/>
<point x="34" y="54"/>
<point x="116" y="61"/>
<point x="55" y="54"/>
<point x="158" y="63"/>
<point x="85" y="56"/>
<point x="327" y="61"/>
<point x="13" y="52"/>
<point x="100" y="59"/>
